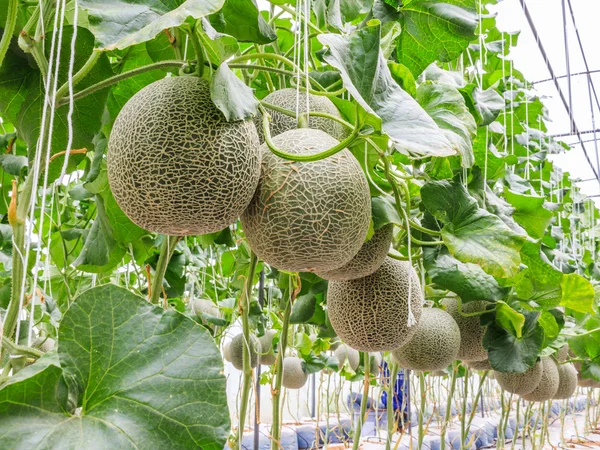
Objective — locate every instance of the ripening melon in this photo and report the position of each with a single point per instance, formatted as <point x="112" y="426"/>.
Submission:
<point x="479" y="365"/>
<point x="375" y="361"/>
<point x="294" y="376"/>
<point x="308" y="216"/>
<point x="345" y="353"/>
<point x="548" y="385"/>
<point x="237" y="349"/>
<point x="370" y="314"/>
<point x="562" y="354"/>
<point x="227" y="351"/>
<point x="471" y="331"/>
<point x="521" y="383"/>
<point x="434" y="345"/>
<point x="267" y="355"/>
<point x="567" y="383"/>
<point x="175" y="165"/>
<point x="368" y="259"/>
<point x="288" y="98"/>
<point x="44" y="343"/>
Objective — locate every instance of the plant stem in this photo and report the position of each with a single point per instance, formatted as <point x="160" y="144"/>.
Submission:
<point x="80" y="75"/>
<point x="276" y="390"/>
<point x="391" y="420"/>
<point x="477" y="397"/>
<point x="463" y="416"/>
<point x="122" y="76"/>
<point x="363" y="403"/>
<point x="166" y="251"/>
<point x="191" y="32"/>
<point x="15" y="349"/>
<point x="421" y="431"/>
<point x="448" y="406"/>
<point x="247" y="372"/>
<point x="289" y="113"/>
<point x="305" y="158"/>
<point x="9" y="28"/>
<point x="262" y="56"/>
<point x="263" y="68"/>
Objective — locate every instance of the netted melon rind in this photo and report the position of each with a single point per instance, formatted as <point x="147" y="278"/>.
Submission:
<point x="548" y="385"/>
<point x="370" y="314"/>
<point x="237" y="348"/>
<point x="434" y="345"/>
<point x="175" y="165"/>
<point x="294" y="376"/>
<point x="267" y="356"/>
<point x="343" y="353"/>
<point x="471" y="331"/>
<point x="227" y="351"/>
<point x="308" y="216"/>
<point x="562" y="354"/>
<point x="286" y="98"/>
<point x="521" y="383"/>
<point x="567" y="383"/>
<point x="479" y="365"/>
<point x="369" y="258"/>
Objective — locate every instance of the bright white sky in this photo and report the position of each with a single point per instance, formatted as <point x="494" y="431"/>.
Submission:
<point x="548" y="18"/>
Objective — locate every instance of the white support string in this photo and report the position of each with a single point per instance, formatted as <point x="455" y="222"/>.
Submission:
<point x="56" y="37"/>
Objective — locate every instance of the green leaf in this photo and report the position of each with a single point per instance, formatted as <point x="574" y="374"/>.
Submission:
<point x="588" y="345"/>
<point x="529" y="212"/>
<point x="446" y="105"/>
<point x="366" y="76"/>
<point x="146" y="378"/>
<point x="22" y="95"/>
<point x="218" y="46"/>
<point x="577" y="293"/>
<point x="242" y="20"/>
<point x="507" y="353"/>
<point x="14" y="164"/>
<point x="235" y="100"/>
<point x="467" y="280"/>
<point x="122" y="23"/>
<point x="472" y="234"/>
<point x="538" y="266"/>
<point x="384" y="211"/>
<point x="509" y="319"/>
<point x="303" y="309"/>
<point x="435" y="31"/>
<point x="100" y="252"/>
<point x="484" y="104"/>
<point x="550" y="325"/>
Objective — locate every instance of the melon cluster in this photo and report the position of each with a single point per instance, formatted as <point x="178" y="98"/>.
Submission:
<point x="261" y="350"/>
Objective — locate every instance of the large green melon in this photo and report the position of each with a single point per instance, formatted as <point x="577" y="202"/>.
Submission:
<point x="368" y="259"/>
<point x="434" y="345"/>
<point x="567" y="384"/>
<point x="471" y="331"/>
<point x="521" y="383"/>
<point x="294" y="376"/>
<point x="308" y="216"/>
<point x="287" y="98"/>
<point x="175" y="165"/>
<point x="548" y="385"/>
<point x="370" y="314"/>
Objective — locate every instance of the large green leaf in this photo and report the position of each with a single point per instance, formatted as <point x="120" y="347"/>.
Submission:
<point x="467" y="280"/>
<point x="22" y="96"/>
<point x="446" y="105"/>
<point x="146" y="378"/>
<point x="366" y="76"/>
<point x="507" y="352"/>
<point x="123" y="23"/>
<point x="435" y="30"/>
<point x="484" y="104"/>
<point x="472" y="234"/>
<point x="577" y="293"/>
<point x="529" y="212"/>
<point x="242" y="20"/>
<point x="235" y="100"/>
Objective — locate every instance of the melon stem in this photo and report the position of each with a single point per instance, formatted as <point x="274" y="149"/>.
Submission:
<point x="304" y="158"/>
<point x="363" y="402"/>
<point x="9" y="28"/>
<point x="166" y="251"/>
<point x="276" y="388"/>
<point x="391" y="420"/>
<point x="244" y="306"/>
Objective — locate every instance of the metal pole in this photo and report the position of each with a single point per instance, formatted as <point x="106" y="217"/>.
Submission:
<point x="313" y="395"/>
<point x="567" y="59"/>
<point x="261" y="301"/>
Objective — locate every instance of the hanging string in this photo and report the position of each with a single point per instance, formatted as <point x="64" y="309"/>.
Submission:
<point x="70" y="84"/>
<point x="297" y="44"/>
<point x="56" y="36"/>
<point x="306" y="46"/>
<point x="46" y="167"/>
